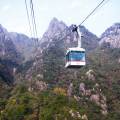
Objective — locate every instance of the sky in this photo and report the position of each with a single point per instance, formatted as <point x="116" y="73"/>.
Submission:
<point x="14" y="18"/>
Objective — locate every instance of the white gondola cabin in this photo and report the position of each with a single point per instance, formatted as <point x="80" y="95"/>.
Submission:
<point x="75" y="58"/>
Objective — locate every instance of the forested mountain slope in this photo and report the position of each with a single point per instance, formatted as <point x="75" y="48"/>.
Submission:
<point x="45" y="90"/>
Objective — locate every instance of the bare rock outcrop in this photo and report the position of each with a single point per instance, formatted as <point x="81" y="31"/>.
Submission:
<point x="111" y="37"/>
<point x="90" y="75"/>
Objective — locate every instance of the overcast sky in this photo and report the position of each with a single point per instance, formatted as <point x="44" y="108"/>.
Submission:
<point x="13" y="14"/>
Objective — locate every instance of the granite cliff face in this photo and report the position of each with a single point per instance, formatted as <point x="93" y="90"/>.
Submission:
<point x="111" y="37"/>
<point x="60" y="31"/>
<point x="7" y="48"/>
<point x="9" y="57"/>
<point x="89" y="40"/>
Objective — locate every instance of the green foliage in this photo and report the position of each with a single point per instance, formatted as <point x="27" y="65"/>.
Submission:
<point x="24" y="67"/>
<point x="19" y="105"/>
<point x="24" y="105"/>
<point x="53" y="62"/>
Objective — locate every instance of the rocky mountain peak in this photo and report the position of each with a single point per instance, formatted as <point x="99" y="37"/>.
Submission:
<point x="55" y="28"/>
<point x="56" y="31"/>
<point x="55" y="24"/>
<point x="2" y="29"/>
<point x="59" y="31"/>
<point x="113" y="30"/>
<point x="111" y="36"/>
<point x="7" y="48"/>
<point x="54" y="21"/>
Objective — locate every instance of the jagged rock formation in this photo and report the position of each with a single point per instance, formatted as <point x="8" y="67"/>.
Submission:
<point x="89" y="40"/>
<point x="58" y="30"/>
<point x="92" y="93"/>
<point x="111" y="37"/>
<point x="9" y="56"/>
<point x="7" y="48"/>
<point x="75" y="114"/>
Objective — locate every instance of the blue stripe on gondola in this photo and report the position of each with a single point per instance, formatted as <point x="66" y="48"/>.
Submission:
<point x="76" y="56"/>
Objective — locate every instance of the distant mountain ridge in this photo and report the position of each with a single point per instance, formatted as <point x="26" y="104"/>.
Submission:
<point x="111" y="36"/>
<point x="15" y="46"/>
<point x="24" y="44"/>
<point x="59" y="30"/>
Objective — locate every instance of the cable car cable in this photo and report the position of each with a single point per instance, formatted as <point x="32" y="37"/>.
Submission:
<point x="33" y="16"/>
<point x="32" y="21"/>
<point x="105" y="2"/>
<point x="30" y="29"/>
<point x="92" y="12"/>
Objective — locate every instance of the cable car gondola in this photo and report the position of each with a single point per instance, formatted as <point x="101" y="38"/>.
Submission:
<point x="75" y="57"/>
